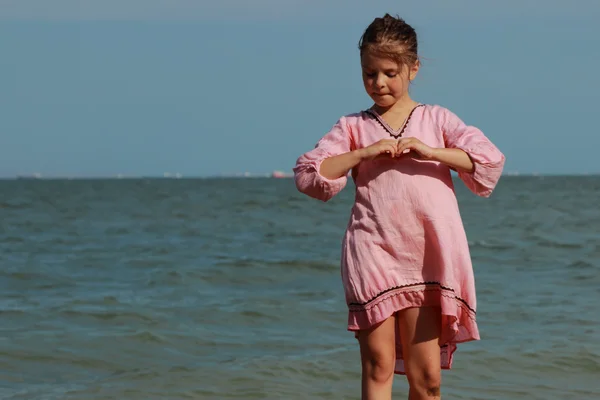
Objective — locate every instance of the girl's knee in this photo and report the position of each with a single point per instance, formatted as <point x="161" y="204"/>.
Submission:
<point x="378" y="351"/>
<point x="426" y="380"/>
<point x="379" y="367"/>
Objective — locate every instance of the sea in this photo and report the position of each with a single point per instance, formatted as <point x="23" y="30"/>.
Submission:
<point x="230" y="288"/>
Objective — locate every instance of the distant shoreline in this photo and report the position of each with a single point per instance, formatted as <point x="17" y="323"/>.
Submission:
<point x="242" y="176"/>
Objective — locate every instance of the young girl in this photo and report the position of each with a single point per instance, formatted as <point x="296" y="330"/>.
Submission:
<point x="406" y="266"/>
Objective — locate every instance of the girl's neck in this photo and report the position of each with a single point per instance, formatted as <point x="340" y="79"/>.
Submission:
<point x="401" y="107"/>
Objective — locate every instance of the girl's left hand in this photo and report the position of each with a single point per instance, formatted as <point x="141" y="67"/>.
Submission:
<point x="411" y="144"/>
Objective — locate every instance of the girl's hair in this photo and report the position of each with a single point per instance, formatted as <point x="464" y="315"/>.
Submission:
<point x="390" y="37"/>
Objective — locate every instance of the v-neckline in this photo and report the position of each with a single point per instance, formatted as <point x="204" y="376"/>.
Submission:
<point x="395" y="133"/>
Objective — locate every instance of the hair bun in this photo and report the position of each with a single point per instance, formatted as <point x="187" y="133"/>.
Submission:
<point x="391" y="36"/>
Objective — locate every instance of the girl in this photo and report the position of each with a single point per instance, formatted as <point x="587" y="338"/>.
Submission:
<point x="406" y="266"/>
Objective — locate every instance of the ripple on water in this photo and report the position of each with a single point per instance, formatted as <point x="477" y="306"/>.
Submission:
<point x="145" y="289"/>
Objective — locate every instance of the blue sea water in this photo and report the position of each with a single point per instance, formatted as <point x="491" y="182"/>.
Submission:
<point x="230" y="289"/>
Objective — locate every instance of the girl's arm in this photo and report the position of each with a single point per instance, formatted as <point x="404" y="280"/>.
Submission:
<point x="319" y="183"/>
<point x="321" y="173"/>
<point x="477" y="160"/>
<point x="336" y="166"/>
<point x="454" y="158"/>
<point x="488" y="161"/>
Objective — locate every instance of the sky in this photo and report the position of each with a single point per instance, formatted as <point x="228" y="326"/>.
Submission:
<point x="143" y="87"/>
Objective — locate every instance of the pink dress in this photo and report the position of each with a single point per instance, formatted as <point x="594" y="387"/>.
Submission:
<point x="405" y="244"/>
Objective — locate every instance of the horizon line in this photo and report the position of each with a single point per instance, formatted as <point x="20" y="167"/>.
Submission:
<point x="269" y="175"/>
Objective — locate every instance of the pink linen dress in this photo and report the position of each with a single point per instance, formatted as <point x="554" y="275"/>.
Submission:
<point x="405" y="244"/>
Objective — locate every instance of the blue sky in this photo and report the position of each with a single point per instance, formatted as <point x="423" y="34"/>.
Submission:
<point x="203" y="88"/>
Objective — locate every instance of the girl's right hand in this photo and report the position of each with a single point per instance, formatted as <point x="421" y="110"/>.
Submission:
<point x="385" y="147"/>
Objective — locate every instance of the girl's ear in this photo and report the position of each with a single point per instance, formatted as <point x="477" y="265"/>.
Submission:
<point x="414" y="70"/>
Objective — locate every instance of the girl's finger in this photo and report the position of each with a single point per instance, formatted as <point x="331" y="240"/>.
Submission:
<point x="403" y="142"/>
<point x="404" y="148"/>
<point x="391" y="149"/>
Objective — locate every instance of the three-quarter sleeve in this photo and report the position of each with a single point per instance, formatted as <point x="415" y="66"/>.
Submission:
<point x="486" y="157"/>
<point x="307" y="173"/>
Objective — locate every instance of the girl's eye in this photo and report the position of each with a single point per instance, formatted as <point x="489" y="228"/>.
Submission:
<point x="374" y="74"/>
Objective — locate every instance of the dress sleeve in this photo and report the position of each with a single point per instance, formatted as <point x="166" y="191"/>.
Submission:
<point x="486" y="157"/>
<point x="307" y="170"/>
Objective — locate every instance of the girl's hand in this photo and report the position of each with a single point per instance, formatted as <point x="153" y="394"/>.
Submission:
<point x="383" y="148"/>
<point x="414" y="145"/>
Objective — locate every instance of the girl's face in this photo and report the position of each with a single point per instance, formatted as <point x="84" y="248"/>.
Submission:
<point x="386" y="81"/>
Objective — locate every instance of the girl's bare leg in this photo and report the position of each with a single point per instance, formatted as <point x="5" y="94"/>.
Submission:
<point x="378" y="356"/>
<point x="420" y="332"/>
